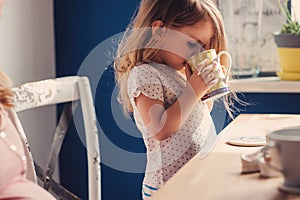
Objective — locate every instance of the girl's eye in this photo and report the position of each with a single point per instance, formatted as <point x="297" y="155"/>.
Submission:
<point x="193" y="44"/>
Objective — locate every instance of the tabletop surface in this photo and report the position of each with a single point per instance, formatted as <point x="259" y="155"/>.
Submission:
<point x="218" y="175"/>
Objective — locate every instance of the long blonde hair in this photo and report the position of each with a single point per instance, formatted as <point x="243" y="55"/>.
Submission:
<point x="5" y="93"/>
<point x="172" y="13"/>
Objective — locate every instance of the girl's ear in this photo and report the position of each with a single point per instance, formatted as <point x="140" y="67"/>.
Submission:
<point x="157" y="29"/>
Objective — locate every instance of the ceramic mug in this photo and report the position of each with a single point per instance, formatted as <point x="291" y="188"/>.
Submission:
<point x="221" y="88"/>
<point x="282" y="154"/>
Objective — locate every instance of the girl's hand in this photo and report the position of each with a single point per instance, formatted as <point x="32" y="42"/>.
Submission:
<point x="210" y="75"/>
<point x="202" y="78"/>
<point x="224" y="69"/>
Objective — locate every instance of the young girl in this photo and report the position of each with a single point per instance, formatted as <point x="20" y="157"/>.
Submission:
<point x="158" y="87"/>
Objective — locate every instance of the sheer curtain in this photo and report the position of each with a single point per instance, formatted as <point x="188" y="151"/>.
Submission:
<point x="250" y="26"/>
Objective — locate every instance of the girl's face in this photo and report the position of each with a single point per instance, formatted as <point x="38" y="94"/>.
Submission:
<point x="181" y="43"/>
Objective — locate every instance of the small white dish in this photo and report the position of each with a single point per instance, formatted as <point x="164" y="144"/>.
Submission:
<point x="248" y="141"/>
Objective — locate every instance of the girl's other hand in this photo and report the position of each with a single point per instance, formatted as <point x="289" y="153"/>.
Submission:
<point x="224" y="69"/>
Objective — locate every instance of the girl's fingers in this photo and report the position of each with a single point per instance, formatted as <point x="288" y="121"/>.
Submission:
<point x="210" y="77"/>
<point x="202" y="64"/>
<point x="224" y="69"/>
<point x="209" y="73"/>
<point x="210" y="67"/>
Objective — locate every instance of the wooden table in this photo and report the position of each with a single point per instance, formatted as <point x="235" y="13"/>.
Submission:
<point x="218" y="175"/>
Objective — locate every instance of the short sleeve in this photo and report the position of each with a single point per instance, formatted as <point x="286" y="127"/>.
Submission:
<point x="145" y="79"/>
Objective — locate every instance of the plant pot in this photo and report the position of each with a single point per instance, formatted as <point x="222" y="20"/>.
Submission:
<point x="289" y="54"/>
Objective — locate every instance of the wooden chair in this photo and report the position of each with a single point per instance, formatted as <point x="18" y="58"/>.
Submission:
<point x="67" y="90"/>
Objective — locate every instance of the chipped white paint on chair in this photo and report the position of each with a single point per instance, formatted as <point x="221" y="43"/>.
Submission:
<point x="60" y="90"/>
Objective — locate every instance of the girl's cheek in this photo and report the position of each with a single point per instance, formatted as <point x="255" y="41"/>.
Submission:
<point x="176" y="49"/>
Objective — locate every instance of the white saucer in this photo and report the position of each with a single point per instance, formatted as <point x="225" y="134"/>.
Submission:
<point x="248" y="141"/>
<point x="292" y="190"/>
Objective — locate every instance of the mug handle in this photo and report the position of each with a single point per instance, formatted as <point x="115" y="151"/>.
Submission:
<point x="230" y="62"/>
<point x="267" y="157"/>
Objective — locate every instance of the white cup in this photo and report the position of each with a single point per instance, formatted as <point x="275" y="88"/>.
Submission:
<point x="282" y="154"/>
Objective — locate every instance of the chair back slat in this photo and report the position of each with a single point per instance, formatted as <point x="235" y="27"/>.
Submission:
<point x="55" y="91"/>
<point x="46" y="92"/>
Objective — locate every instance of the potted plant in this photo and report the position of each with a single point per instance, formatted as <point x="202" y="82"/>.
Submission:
<point x="288" y="43"/>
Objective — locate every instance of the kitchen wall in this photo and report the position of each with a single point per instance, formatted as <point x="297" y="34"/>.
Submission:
<point x="80" y="28"/>
<point x="27" y="54"/>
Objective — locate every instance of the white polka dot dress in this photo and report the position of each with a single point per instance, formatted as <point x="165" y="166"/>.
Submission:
<point x="165" y="158"/>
